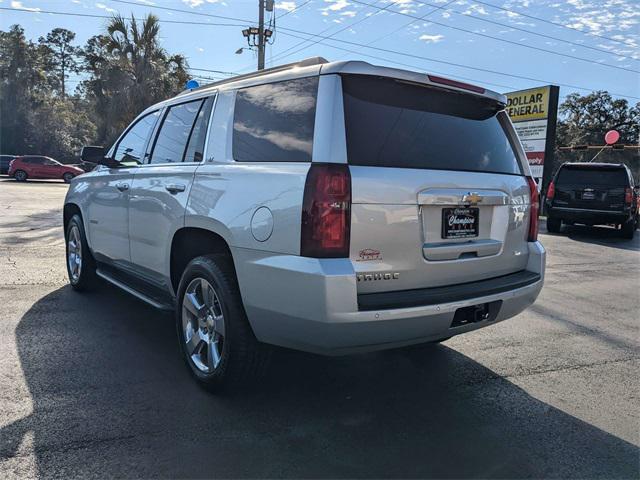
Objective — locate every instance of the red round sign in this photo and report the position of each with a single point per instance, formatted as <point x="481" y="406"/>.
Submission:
<point x="612" y="137"/>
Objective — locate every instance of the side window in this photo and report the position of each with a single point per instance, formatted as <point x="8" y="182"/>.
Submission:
<point x="274" y="122"/>
<point x="48" y="161"/>
<point x="174" y="133"/>
<point x="131" y="146"/>
<point x="195" y="147"/>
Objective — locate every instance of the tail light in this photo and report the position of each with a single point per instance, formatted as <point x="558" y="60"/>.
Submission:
<point x="628" y="196"/>
<point x="326" y="211"/>
<point x="534" y="207"/>
<point x="551" y="191"/>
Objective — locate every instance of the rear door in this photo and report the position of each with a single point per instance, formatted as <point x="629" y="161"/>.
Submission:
<point x="161" y="187"/>
<point x="591" y="187"/>
<point x="439" y="192"/>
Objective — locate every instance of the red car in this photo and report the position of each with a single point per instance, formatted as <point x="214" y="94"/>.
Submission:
<point x="36" y="166"/>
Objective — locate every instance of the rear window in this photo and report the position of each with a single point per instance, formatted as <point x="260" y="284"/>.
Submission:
<point x="274" y="122"/>
<point x="593" y="176"/>
<point x="390" y="123"/>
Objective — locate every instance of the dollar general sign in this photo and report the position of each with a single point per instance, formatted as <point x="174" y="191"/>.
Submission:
<point x="533" y="113"/>
<point x="528" y="104"/>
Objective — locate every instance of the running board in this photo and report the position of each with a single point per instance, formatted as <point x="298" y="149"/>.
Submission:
<point x="141" y="296"/>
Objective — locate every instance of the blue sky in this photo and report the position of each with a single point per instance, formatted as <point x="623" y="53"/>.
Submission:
<point x="594" y="44"/>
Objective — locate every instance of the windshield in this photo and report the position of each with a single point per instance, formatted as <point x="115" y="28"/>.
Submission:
<point x="390" y="123"/>
<point x="593" y="176"/>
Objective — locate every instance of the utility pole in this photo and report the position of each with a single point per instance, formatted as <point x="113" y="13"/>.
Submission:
<point x="261" y="42"/>
<point x="262" y="34"/>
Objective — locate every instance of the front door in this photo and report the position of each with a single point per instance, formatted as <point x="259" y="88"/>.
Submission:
<point x="108" y="211"/>
<point x="161" y="188"/>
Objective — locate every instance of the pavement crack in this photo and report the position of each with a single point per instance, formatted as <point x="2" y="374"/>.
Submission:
<point x="568" y="368"/>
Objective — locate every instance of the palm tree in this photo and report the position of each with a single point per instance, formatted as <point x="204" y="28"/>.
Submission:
<point x="132" y="71"/>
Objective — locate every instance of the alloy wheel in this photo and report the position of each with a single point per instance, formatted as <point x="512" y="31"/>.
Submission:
<point x="74" y="253"/>
<point x="203" y="325"/>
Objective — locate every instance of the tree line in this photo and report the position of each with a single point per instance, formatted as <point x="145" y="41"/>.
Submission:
<point x="126" y="70"/>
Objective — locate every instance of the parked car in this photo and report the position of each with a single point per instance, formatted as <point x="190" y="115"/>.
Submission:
<point x="25" y="167"/>
<point x="593" y="194"/>
<point x="5" y="160"/>
<point x="326" y="207"/>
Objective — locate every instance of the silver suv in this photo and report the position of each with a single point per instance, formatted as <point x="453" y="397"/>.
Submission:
<point x="327" y="207"/>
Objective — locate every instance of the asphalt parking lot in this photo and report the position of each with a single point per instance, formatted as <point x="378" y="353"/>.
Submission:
<point x="94" y="386"/>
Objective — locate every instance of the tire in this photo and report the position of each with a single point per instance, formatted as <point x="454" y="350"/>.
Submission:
<point x="20" y="175"/>
<point x="67" y="177"/>
<point x="215" y="337"/>
<point x="81" y="266"/>
<point x="554" y="225"/>
<point x="628" y="229"/>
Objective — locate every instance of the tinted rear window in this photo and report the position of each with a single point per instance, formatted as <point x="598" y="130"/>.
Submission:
<point x="593" y="176"/>
<point x="390" y="123"/>
<point x="274" y="122"/>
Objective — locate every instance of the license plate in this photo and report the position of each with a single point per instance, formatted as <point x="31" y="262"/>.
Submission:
<point x="460" y="222"/>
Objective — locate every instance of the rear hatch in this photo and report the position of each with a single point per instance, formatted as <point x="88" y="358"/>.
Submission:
<point x="439" y="196"/>
<point x="591" y="187"/>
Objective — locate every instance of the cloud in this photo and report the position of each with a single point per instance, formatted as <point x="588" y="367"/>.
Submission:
<point x="18" y="5"/>
<point x="431" y="38"/>
<point x="335" y="5"/>
<point x="288" y="6"/>
<point x="197" y="3"/>
<point x="102" y="6"/>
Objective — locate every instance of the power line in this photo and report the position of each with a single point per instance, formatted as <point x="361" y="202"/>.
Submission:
<point x="402" y="27"/>
<point x="416" y="67"/>
<point x="385" y="50"/>
<point x="213" y="71"/>
<point x="129" y="2"/>
<point x="544" y="35"/>
<point x="504" y="40"/>
<point x="280" y="55"/>
<point x="137" y="19"/>
<point x="294" y="9"/>
<point x="454" y="64"/>
<point x="623" y="42"/>
<point x="171" y="9"/>
<point x="271" y="59"/>
<point x="109" y="17"/>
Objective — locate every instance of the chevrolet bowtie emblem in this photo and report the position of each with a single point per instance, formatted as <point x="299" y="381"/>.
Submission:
<point x="471" y="198"/>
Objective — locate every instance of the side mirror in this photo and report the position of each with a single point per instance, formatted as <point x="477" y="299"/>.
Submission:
<point x="93" y="154"/>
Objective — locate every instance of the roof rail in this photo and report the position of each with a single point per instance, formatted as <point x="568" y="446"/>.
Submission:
<point x="307" y="62"/>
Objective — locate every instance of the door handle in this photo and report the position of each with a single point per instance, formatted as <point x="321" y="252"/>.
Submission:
<point x="174" y="187"/>
<point x="123" y="187"/>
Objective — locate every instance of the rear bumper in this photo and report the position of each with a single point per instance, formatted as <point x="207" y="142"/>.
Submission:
<point x="312" y="305"/>
<point x="581" y="215"/>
